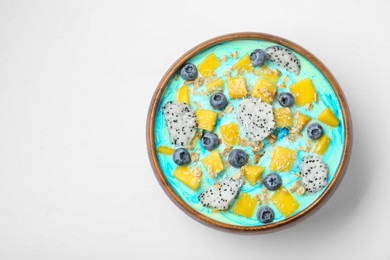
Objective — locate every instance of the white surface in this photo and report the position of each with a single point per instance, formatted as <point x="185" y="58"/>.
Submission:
<point x="76" y="78"/>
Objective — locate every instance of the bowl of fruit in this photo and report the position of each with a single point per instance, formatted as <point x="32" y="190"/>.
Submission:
<point x="248" y="132"/>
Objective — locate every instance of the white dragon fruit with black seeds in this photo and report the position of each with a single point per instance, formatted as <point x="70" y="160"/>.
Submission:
<point x="181" y="122"/>
<point x="256" y="118"/>
<point x="221" y="196"/>
<point x="284" y="58"/>
<point x="314" y="173"/>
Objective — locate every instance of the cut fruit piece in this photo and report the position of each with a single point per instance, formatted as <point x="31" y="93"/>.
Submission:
<point x="252" y="173"/>
<point x="304" y="92"/>
<point x="300" y="121"/>
<point x="165" y="150"/>
<point x="190" y="177"/>
<point x="230" y="134"/>
<point x="282" y="159"/>
<point x="206" y="119"/>
<point x="237" y="87"/>
<point x="264" y="90"/>
<point x="245" y="205"/>
<point x="216" y="85"/>
<point x="328" y="117"/>
<point x="322" y="145"/>
<point x="213" y="163"/>
<point x="284" y="202"/>
<point x="183" y="95"/>
<point x="272" y="75"/>
<point x="209" y="65"/>
<point x="244" y="64"/>
<point x="282" y="117"/>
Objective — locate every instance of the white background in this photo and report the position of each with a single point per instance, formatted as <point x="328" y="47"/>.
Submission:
<point x="76" y="78"/>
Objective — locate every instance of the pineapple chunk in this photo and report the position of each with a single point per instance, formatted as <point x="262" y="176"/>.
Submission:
<point x="284" y="202"/>
<point x="213" y="163"/>
<point x="183" y="95"/>
<point x="282" y="117"/>
<point x="244" y="64"/>
<point x="245" y="205"/>
<point x="209" y="65"/>
<point x="216" y="85"/>
<point x="328" y="117"/>
<point x="304" y="92"/>
<point x="272" y="75"/>
<point x="188" y="177"/>
<point x="252" y="173"/>
<point x="322" y="145"/>
<point x="264" y="89"/>
<point x="237" y="87"/>
<point x="165" y="150"/>
<point x="282" y="159"/>
<point x="300" y="121"/>
<point x="206" y="119"/>
<point x="230" y="134"/>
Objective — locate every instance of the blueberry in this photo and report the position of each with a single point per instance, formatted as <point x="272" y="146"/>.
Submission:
<point x="258" y="57"/>
<point x="189" y="71"/>
<point x="265" y="214"/>
<point x="237" y="158"/>
<point x="272" y="181"/>
<point x="286" y="99"/>
<point x="181" y="156"/>
<point x="314" y="131"/>
<point x="210" y="141"/>
<point x="218" y="101"/>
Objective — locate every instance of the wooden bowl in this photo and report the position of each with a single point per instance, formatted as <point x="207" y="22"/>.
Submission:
<point x="321" y="200"/>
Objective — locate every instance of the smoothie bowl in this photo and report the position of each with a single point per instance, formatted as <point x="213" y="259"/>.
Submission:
<point x="248" y="132"/>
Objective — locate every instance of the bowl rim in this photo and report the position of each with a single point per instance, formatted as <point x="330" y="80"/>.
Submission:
<point x="308" y="211"/>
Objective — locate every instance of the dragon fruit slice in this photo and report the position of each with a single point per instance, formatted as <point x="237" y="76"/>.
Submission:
<point x="284" y="58"/>
<point x="314" y="173"/>
<point x="181" y="123"/>
<point x="256" y="117"/>
<point x="220" y="196"/>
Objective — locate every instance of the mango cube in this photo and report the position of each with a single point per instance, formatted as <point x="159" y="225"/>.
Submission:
<point x="244" y="64"/>
<point x="284" y="202"/>
<point x="322" y="145"/>
<point x="283" y="117"/>
<point x="165" y="150"/>
<point x="237" y="87"/>
<point x="272" y="75"/>
<point x="216" y="85"/>
<point x="230" y="134"/>
<point x="245" y="205"/>
<point x="206" y="119"/>
<point x="252" y="173"/>
<point x="183" y="95"/>
<point x="264" y="89"/>
<point x="328" y="117"/>
<point x="191" y="178"/>
<point x="304" y="92"/>
<point x="213" y="163"/>
<point x="282" y="159"/>
<point x="300" y="121"/>
<point x="209" y="65"/>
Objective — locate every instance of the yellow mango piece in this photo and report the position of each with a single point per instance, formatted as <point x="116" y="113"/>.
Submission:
<point x="264" y="89"/>
<point x="216" y="85"/>
<point x="206" y="119"/>
<point x="283" y="117"/>
<point x="209" y="65"/>
<point x="188" y="177"/>
<point x="272" y="75"/>
<point x="282" y="159"/>
<point x="252" y="173"/>
<point x="244" y="64"/>
<point x="322" y="145"/>
<point x="213" y="163"/>
<point x="230" y="134"/>
<point x="328" y="117"/>
<point x="284" y="202"/>
<point x="165" y="150"/>
<point x="237" y="87"/>
<point x="245" y="205"/>
<point x="300" y="121"/>
<point x="183" y="95"/>
<point x="303" y="92"/>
